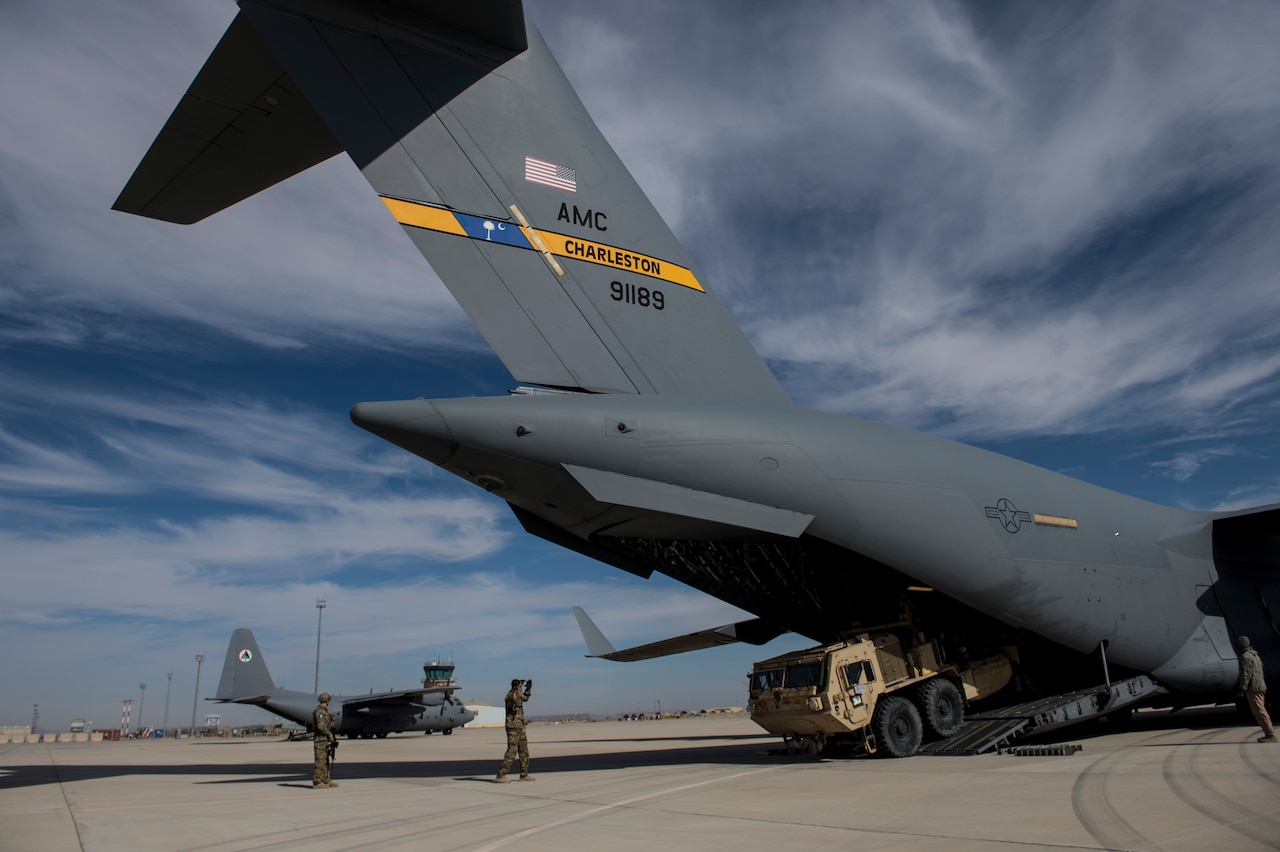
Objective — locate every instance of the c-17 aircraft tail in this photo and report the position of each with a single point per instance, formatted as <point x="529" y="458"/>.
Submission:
<point x="470" y="134"/>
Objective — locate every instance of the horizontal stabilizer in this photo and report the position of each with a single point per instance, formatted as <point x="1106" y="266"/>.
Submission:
<point x="753" y="631"/>
<point x="623" y="490"/>
<point x="241" y="127"/>
<point x="256" y="700"/>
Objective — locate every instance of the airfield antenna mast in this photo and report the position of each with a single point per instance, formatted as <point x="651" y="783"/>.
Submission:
<point x="167" y="687"/>
<point x="321" y="603"/>
<point x="196" y="700"/>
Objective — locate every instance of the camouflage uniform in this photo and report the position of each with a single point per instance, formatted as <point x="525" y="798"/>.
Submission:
<point x="1253" y="687"/>
<point x="322" y="724"/>
<point x="517" y="742"/>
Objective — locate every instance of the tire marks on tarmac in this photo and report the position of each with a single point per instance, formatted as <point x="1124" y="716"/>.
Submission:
<point x="1183" y="775"/>
<point x="1181" y="771"/>
<point x="1091" y="801"/>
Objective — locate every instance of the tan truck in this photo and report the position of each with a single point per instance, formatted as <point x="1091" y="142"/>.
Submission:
<point x="872" y="691"/>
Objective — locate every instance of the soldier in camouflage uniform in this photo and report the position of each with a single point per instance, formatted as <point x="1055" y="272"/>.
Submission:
<point x="322" y="724"/>
<point x="1253" y="687"/>
<point x="517" y="742"/>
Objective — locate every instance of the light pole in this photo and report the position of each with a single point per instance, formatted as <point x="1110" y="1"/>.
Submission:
<point x="167" y="687"/>
<point x="35" y="718"/>
<point x="321" y="603"/>
<point x="196" y="700"/>
<point x="142" y="702"/>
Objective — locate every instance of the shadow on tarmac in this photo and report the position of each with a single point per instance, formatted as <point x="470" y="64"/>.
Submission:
<point x="439" y="770"/>
<point x="749" y="750"/>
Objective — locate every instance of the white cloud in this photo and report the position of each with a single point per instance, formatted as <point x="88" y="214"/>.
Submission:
<point x="985" y="225"/>
<point x="1187" y="464"/>
<point x="1046" y="221"/>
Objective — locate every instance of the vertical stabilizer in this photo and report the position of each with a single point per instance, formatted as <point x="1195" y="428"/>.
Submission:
<point x="466" y="127"/>
<point x="244" y="672"/>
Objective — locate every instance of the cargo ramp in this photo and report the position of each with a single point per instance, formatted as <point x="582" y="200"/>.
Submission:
<point x="997" y="728"/>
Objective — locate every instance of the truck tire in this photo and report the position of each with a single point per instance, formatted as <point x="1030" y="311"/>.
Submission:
<point x="897" y="727"/>
<point x="941" y="707"/>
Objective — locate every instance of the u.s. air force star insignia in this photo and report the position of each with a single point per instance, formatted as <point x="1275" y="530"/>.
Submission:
<point x="1009" y="515"/>
<point x="246" y="655"/>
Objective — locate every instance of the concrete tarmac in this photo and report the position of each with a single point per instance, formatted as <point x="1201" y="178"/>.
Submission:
<point x="1194" y="780"/>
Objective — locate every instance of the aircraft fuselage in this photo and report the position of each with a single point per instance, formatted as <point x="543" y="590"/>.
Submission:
<point x="435" y="712"/>
<point x="1072" y="562"/>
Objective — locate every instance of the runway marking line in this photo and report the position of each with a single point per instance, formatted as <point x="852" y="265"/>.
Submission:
<point x="528" y="832"/>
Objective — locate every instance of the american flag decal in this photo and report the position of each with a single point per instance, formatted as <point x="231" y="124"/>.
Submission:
<point x="549" y="174"/>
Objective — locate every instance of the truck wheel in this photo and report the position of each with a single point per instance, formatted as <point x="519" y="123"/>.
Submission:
<point x="941" y="707"/>
<point x="897" y="727"/>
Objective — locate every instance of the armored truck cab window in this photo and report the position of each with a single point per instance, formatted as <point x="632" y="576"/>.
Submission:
<point x="770" y="679"/>
<point x="859" y="672"/>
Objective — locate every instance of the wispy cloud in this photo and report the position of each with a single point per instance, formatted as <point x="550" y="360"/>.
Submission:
<point x="982" y="224"/>
<point x="1185" y="465"/>
<point x="991" y="223"/>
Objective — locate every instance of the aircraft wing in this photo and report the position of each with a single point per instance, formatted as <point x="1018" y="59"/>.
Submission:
<point x="396" y="698"/>
<point x="1260" y="518"/>
<point x="755" y="631"/>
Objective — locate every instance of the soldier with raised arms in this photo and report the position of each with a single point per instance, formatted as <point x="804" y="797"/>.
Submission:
<point x="517" y="742"/>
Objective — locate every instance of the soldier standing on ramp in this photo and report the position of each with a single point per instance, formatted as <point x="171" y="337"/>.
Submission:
<point x="322" y="724"/>
<point x="516" y="739"/>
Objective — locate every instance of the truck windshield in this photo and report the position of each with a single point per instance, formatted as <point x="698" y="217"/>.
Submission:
<point x="806" y="675"/>
<point x="771" y="679"/>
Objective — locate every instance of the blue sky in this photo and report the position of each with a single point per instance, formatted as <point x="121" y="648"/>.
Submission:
<point x="1048" y="231"/>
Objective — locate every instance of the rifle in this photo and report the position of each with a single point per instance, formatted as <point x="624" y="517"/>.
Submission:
<point x="333" y="749"/>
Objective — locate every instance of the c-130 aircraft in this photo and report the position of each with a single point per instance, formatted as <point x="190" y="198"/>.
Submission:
<point x="647" y="433"/>
<point x="431" y="707"/>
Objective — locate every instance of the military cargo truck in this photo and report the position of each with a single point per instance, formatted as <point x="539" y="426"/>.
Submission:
<point x="886" y="691"/>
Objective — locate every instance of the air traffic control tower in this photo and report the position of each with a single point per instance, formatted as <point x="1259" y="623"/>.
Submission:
<point x="438" y="673"/>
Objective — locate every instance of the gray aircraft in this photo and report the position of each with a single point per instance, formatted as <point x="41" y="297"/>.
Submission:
<point x="646" y="432"/>
<point x="245" y="680"/>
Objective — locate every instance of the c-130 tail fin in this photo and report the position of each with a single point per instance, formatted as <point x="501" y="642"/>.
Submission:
<point x="244" y="673"/>
<point x="466" y="127"/>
